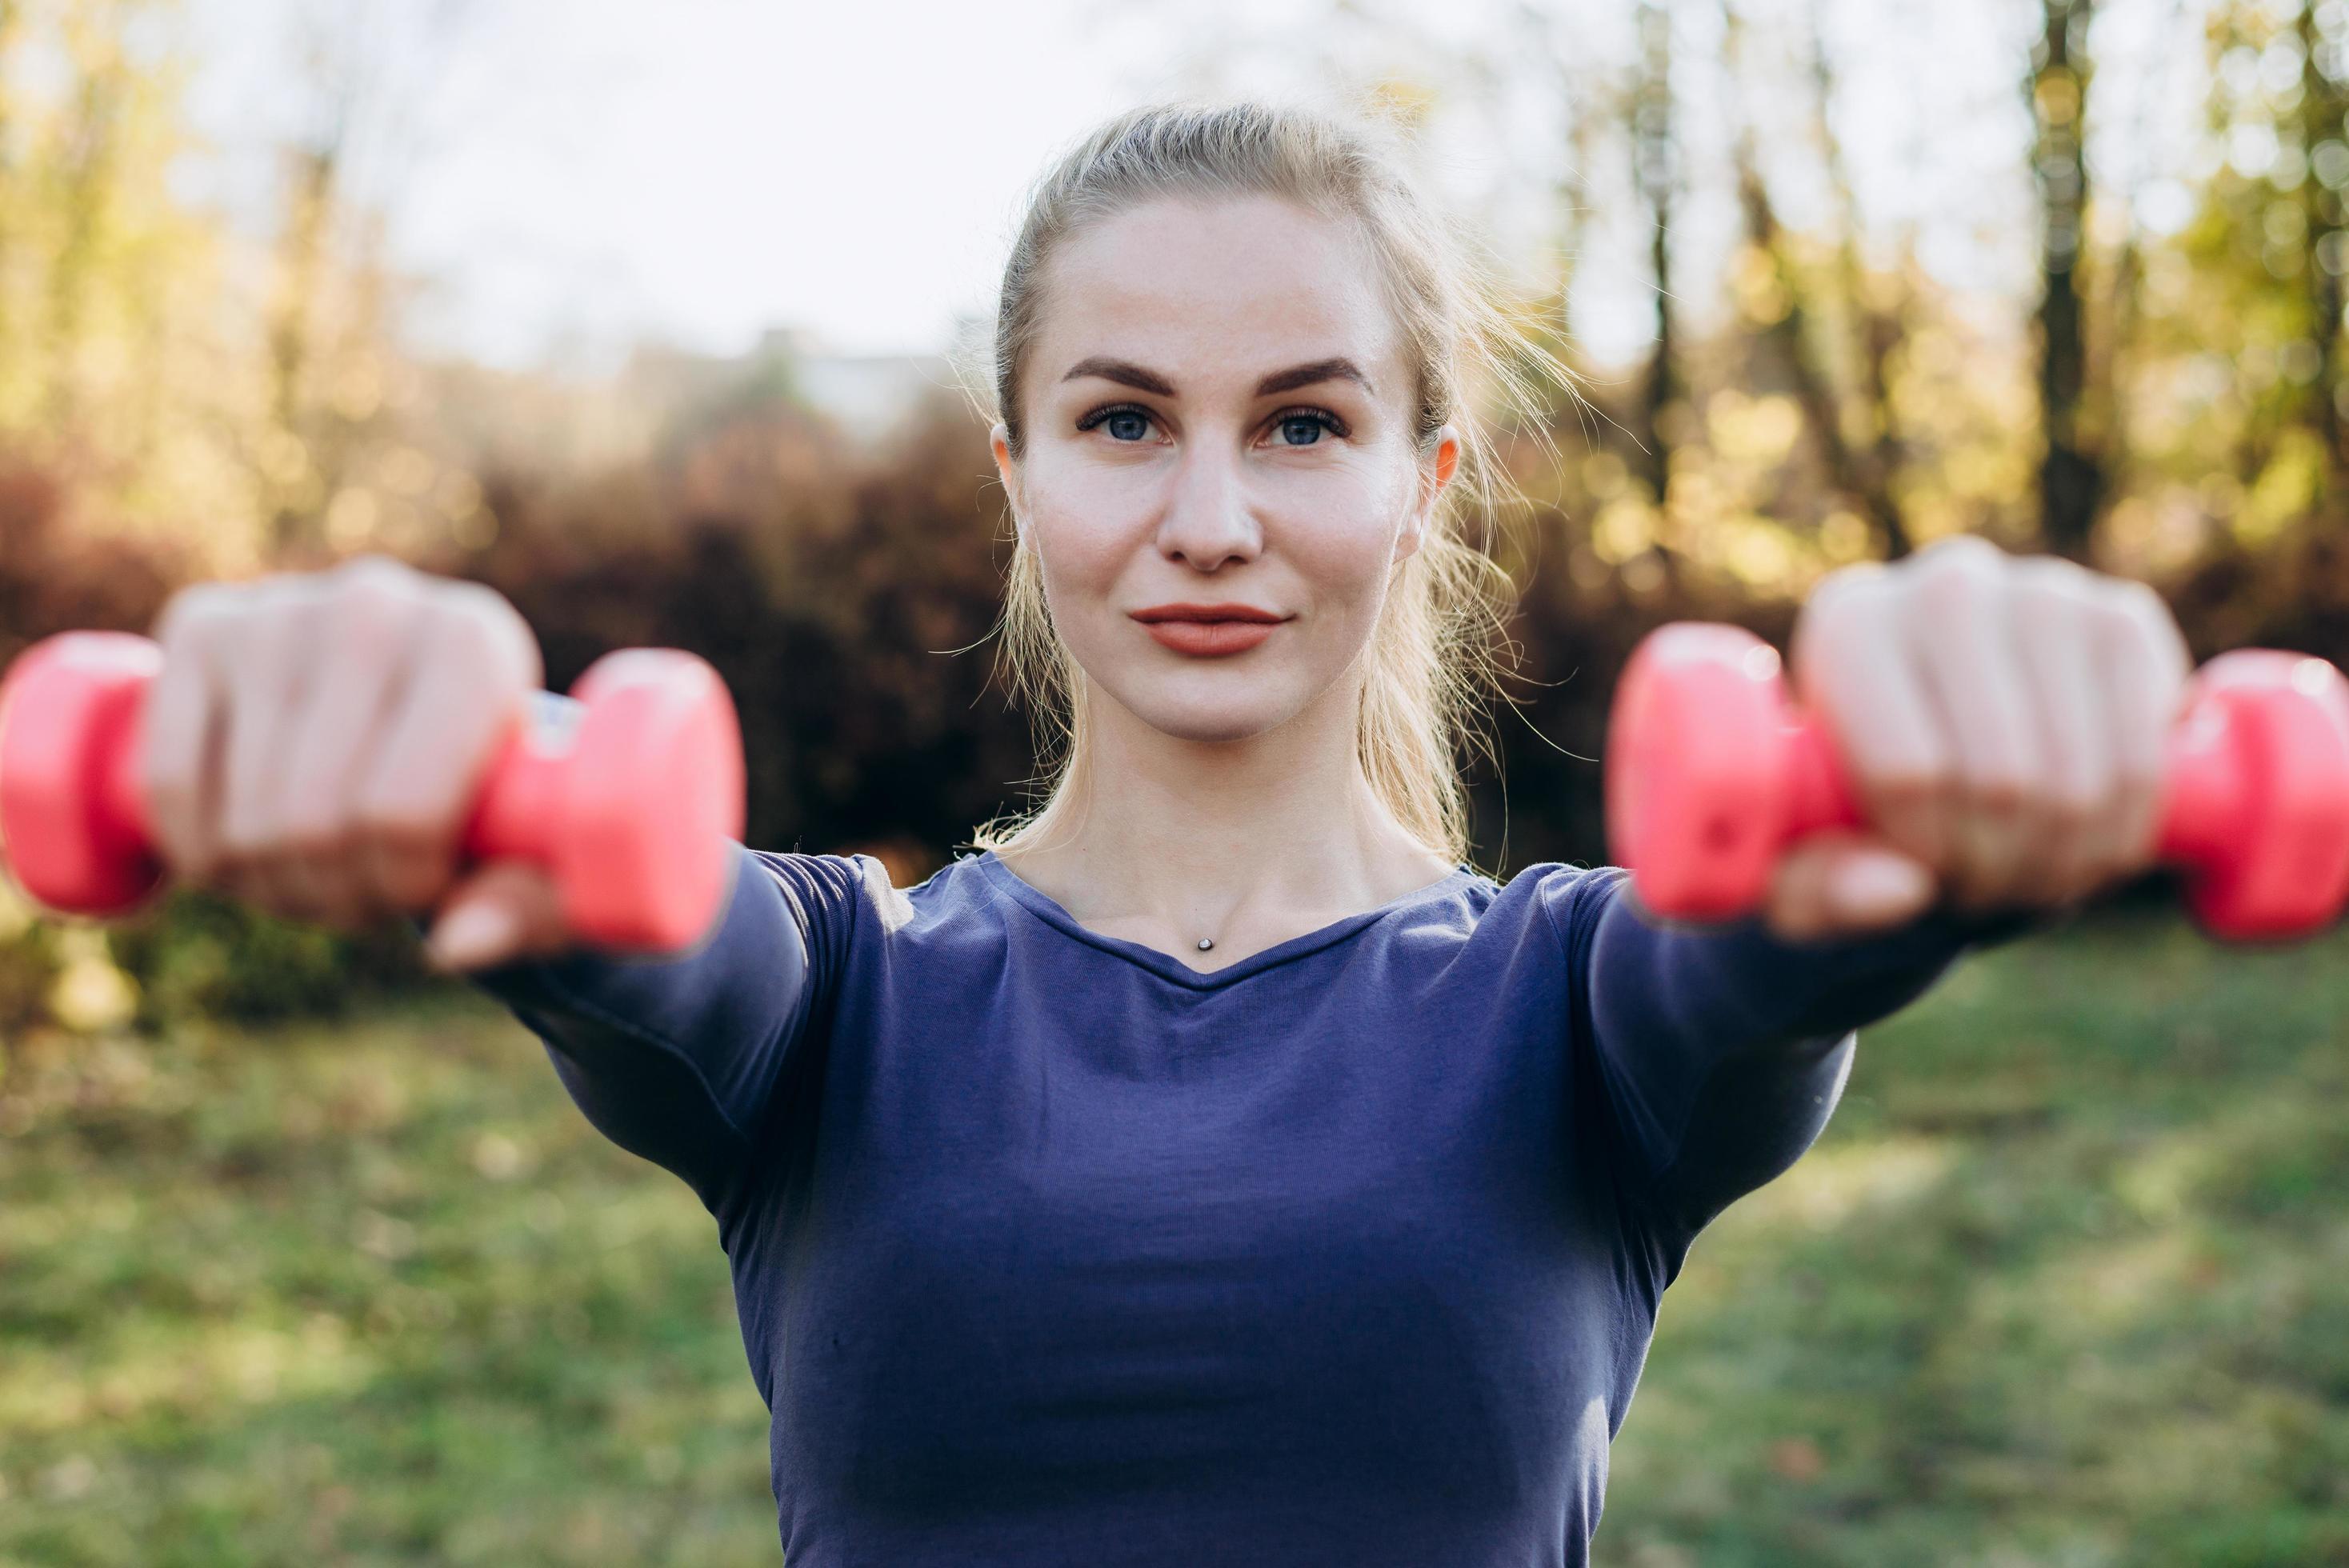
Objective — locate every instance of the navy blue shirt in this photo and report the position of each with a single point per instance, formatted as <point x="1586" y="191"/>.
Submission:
<point x="1050" y="1249"/>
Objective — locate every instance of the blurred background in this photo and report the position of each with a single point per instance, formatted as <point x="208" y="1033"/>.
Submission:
<point x="642" y="317"/>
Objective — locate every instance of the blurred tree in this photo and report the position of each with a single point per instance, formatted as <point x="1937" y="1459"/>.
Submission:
<point x="11" y="27"/>
<point x="2071" y="472"/>
<point x="1879" y="311"/>
<point x="335" y="384"/>
<point x="1775" y="302"/>
<point x="2324" y="131"/>
<point x="97" y="262"/>
<point x="1654" y="178"/>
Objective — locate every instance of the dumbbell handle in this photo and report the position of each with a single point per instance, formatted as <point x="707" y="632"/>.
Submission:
<point x="2204" y="782"/>
<point x="1712" y="771"/>
<point x="514" y="816"/>
<point x="623" y="791"/>
<point x="2202" y="789"/>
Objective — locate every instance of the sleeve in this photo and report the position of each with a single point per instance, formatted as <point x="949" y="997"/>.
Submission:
<point x="1720" y="1052"/>
<point x="688" y="1059"/>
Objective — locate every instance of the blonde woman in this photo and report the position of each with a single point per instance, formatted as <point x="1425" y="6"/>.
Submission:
<point x="1216" y="1169"/>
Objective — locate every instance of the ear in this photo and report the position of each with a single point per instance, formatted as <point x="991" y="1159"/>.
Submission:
<point x="998" y="441"/>
<point x="1432" y="486"/>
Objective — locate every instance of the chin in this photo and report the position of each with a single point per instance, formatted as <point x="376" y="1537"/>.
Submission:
<point x="1209" y="716"/>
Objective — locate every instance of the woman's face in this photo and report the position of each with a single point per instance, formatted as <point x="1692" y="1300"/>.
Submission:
<point x="1217" y="416"/>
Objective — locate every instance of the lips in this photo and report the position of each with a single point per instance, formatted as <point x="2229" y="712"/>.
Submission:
<point x="1210" y="639"/>
<point x="1250" y="613"/>
<point x="1208" y="631"/>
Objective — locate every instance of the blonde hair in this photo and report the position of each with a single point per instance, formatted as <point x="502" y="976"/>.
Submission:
<point x="1431" y="664"/>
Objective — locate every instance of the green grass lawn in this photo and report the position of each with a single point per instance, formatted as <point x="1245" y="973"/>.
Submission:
<point x="2066" y="1283"/>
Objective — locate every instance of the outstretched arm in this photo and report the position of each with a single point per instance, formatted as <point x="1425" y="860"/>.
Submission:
<point x="2003" y="721"/>
<point x="689" y="1059"/>
<point x="1720" y="1053"/>
<point x="318" y="743"/>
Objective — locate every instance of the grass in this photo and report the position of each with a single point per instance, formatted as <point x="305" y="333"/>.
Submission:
<point x="2066" y="1283"/>
<point x="370" y="1294"/>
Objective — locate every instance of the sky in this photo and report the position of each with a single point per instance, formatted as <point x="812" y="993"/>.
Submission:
<point x="565" y="177"/>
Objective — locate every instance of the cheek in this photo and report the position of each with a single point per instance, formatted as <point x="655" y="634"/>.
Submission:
<point x="1341" y="524"/>
<point x="1083" y="533"/>
<point x="1067" y="498"/>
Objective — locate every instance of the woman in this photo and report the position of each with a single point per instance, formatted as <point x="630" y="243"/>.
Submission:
<point x="1218" y="1168"/>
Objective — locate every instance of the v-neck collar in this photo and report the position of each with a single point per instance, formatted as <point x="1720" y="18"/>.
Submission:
<point x="1167" y="966"/>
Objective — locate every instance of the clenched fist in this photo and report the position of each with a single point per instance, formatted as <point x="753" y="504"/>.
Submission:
<point x="314" y="743"/>
<point x="2003" y="721"/>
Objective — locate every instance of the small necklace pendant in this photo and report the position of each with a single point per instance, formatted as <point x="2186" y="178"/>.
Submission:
<point x="1206" y="943"/>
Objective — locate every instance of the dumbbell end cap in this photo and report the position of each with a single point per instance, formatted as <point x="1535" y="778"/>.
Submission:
<point x="653" y="793"/>
<point x="69" y="714"/>
<point x="2271" y="862"/>
<point x="1699" y="782"/>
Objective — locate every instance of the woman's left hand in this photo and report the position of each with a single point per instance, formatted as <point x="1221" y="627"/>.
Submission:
<point x="2003" y="721"/>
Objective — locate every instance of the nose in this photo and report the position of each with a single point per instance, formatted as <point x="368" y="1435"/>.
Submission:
<point x="1209" y="520"/>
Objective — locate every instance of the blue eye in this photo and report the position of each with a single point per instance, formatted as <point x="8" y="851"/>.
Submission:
<point x="1304" y="427"/>
<point x="1127" y="424"/>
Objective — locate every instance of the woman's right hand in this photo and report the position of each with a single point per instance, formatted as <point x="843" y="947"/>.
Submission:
<point x="314" y="743"/>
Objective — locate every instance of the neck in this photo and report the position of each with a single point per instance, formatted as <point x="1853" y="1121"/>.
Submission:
<point x="1201" y="837"/>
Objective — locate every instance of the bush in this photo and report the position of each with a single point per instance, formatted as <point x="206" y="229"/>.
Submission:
<point x="200" y="954"/>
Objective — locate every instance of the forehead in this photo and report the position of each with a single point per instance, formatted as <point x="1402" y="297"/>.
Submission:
<point x="1217" y="289"/>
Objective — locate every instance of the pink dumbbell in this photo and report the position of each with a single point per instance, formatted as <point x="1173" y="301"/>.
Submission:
<point x="626" y="793"/>
<point x="1712" y="772"/>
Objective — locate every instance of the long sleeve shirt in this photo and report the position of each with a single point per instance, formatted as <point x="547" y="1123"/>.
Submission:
<point x="1050" y="1249"/>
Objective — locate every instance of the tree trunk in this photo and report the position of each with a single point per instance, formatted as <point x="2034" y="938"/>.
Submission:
<point x="2071" y="475"/>
<point x="1881" y="332"/>
<point x="1652" y="176"/>
<point x="2322" y="105"/>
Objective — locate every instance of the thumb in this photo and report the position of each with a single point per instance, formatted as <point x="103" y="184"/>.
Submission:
<point x="505" y="911"/>
<point x="1844" y="884"/>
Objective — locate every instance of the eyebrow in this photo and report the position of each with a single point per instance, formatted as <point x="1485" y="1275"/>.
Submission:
<point x="1126" y="372"/>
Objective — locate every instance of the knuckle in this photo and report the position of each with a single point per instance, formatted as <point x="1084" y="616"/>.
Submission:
<point x="404" y="824"/>
<point x="1996" y="791"/>
<point x="187" y="848"/>
<point x="2137" y="614"/>
<point x="1906" y="787"/>
<point x="2051" y="587"/>
<point x="1858" y="578"/>
<point x="369" y="630"/>
<point x="1953" y="592"/>
<point x="319" y="839"/>
<point x="1839" y="618"/>
<point x="243" y="842"/>
<point x="2138" y="782"/>
<point x="1966" y="555"/>
<point x="1831" y="627"/>
<point x="2051" y="575"/>
<point x="194" y="615"/>
<point x="2072" y="809"/>
<point x="399" y="827"/>
<point x="374" y="586"/>
<point x="378" y="570"/>
<point x="492" y="630"/>
<point x="2130" y="598"/>
<point x="270" y="626"/>
<point x="270" y="600"/>
<point x="168" y="789"/>
<point x="2104" y="866"/>
<point x="466" y="629"/>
